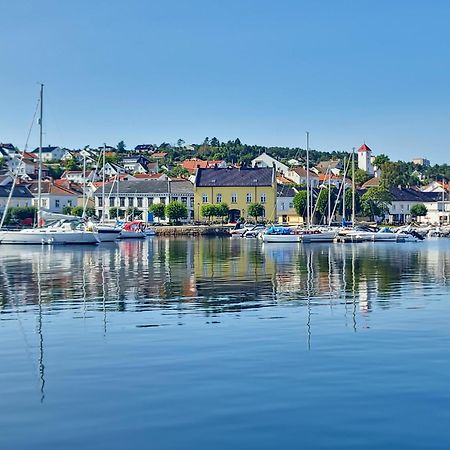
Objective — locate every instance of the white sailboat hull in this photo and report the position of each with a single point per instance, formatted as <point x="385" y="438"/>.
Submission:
<point x="324" y="236"/>
<point x="49" y="236"/>
<point x="282" y="238"/>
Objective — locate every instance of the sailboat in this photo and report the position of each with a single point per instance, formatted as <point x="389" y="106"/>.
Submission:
<point x="107" y="233"/>
<point x="59" y="229"/>
<point x="301" y="234"/>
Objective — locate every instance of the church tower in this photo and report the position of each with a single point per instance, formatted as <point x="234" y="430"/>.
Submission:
<point x="365" y="159"/>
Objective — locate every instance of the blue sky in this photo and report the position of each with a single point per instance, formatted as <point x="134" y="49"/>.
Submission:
<point x="263" y="71"/>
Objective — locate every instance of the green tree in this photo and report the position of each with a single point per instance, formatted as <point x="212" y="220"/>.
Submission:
<point x="133" y="212"/>
<point x="2" y="162"/>
<point x="71" y="164"/>
<point x="380" y="160"/>
<point x="222" y="210"/>
<point x="77" y="211"/>
<point x="375" y="202"/>
<point x="176" y="211"/>
<point x="121" y="147"/>
<point x="113" y="212"/>
<point x="214" y="142"/>
<point x="418" y="210"/>
<point x="256" y="210"/>
<point x="300" y="203"/>
<point x="158" y="210"/>
<point x="361" y="176"/>
<point x="208" y="211"/>
<point x="322" y="202"/>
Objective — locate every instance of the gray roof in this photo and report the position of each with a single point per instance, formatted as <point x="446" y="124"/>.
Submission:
<point x="19" y="192"/>
<point x="285" y="191"/>
<point x="413" y="195"/>
<point x="45" y="149"/>
<point x="234" y="177"/>
<point x="147" y="187"/>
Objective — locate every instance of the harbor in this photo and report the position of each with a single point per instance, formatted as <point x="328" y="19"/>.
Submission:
<point x="183" y="330"/>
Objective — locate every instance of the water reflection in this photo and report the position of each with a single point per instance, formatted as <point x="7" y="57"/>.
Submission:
<point x="216" y="275"/>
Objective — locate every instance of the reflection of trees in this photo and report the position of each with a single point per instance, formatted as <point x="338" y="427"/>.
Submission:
<point x="214" y="275"/>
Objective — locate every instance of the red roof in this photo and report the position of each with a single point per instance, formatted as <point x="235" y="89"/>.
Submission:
<point x="364" y="148"/>
<point x="191" y="164"/>
<point x="159" y="155"/>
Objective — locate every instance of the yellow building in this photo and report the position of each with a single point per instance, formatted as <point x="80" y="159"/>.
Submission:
<point x="238" y="188"/>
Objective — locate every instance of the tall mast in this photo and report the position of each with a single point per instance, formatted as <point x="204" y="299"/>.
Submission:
<point x="84" y="186"/>
<point x="343" y="193"/>
<point x="353" y="188"/>
<point x="40" y="157"/>
<point x="329" y="195"/>
<point x="307" y="181"/>
<point x="103" y="184"/>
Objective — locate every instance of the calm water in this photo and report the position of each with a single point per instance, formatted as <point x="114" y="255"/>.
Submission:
<point x="221" y="344"/>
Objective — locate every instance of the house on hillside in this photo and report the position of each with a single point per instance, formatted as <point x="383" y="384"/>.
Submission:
<point x="265" y="160"/>
<point x="112" y="170"/>
<point x="238" y="188"/>
<point x="148" y="148"/>
<point x="299" y="175"/>
<point x="77" y="176"/>
<point x="21" y="196"/>
<point x="51" y="154"/>
<point x="191" y="165"/>
<point x="141" y="194"/>
<point x="54" y="198"/>
<point x="333" y="165"/>
<point x="421" y="162"/>
<point x="135" y="163"/>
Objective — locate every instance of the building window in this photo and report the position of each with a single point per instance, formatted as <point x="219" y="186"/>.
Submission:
<point x="219" y="198"/>
<point x="130" y="201"/>
<point x="263" y="197"/>
<point x="122" y="201"/>
<point x="56" y="203"/>
<point x="112" y="200"/>
<point x="233" y="197"/>
<point x="100" y="202"/>
<point x="249" y="197"/>
<point x="184" y="200"/>
<point x="205" y="198"/>
<point x="69" y="203"/>
<point x="139" y="202"/>
<point x="150" y="201"/>
<point x="162" y="200"/>
<point x="282" y="206"/>
<point x="291" y="205"/>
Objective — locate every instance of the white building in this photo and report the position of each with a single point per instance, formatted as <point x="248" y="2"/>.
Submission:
<point x="21" y="197"/>
<point x="112" y="170"/>
<point x="141" y="194"/>
<point x="299" y="175"/>
<point x="404" y="199"/>
<point x="265" y="160"/>
<point x="54" y="198"/>
<point x="77" y="176"/>
<point x="286" y="212"/>
<point x="51" y="154"/>
<point x="365" y="159"/>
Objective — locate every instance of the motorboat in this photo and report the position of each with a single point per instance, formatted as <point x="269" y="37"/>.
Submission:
<point x="133" y="230"/>
<point x="108" y="233"/>
<point x="281" y="234"/>
<point x="253" y="232"/>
